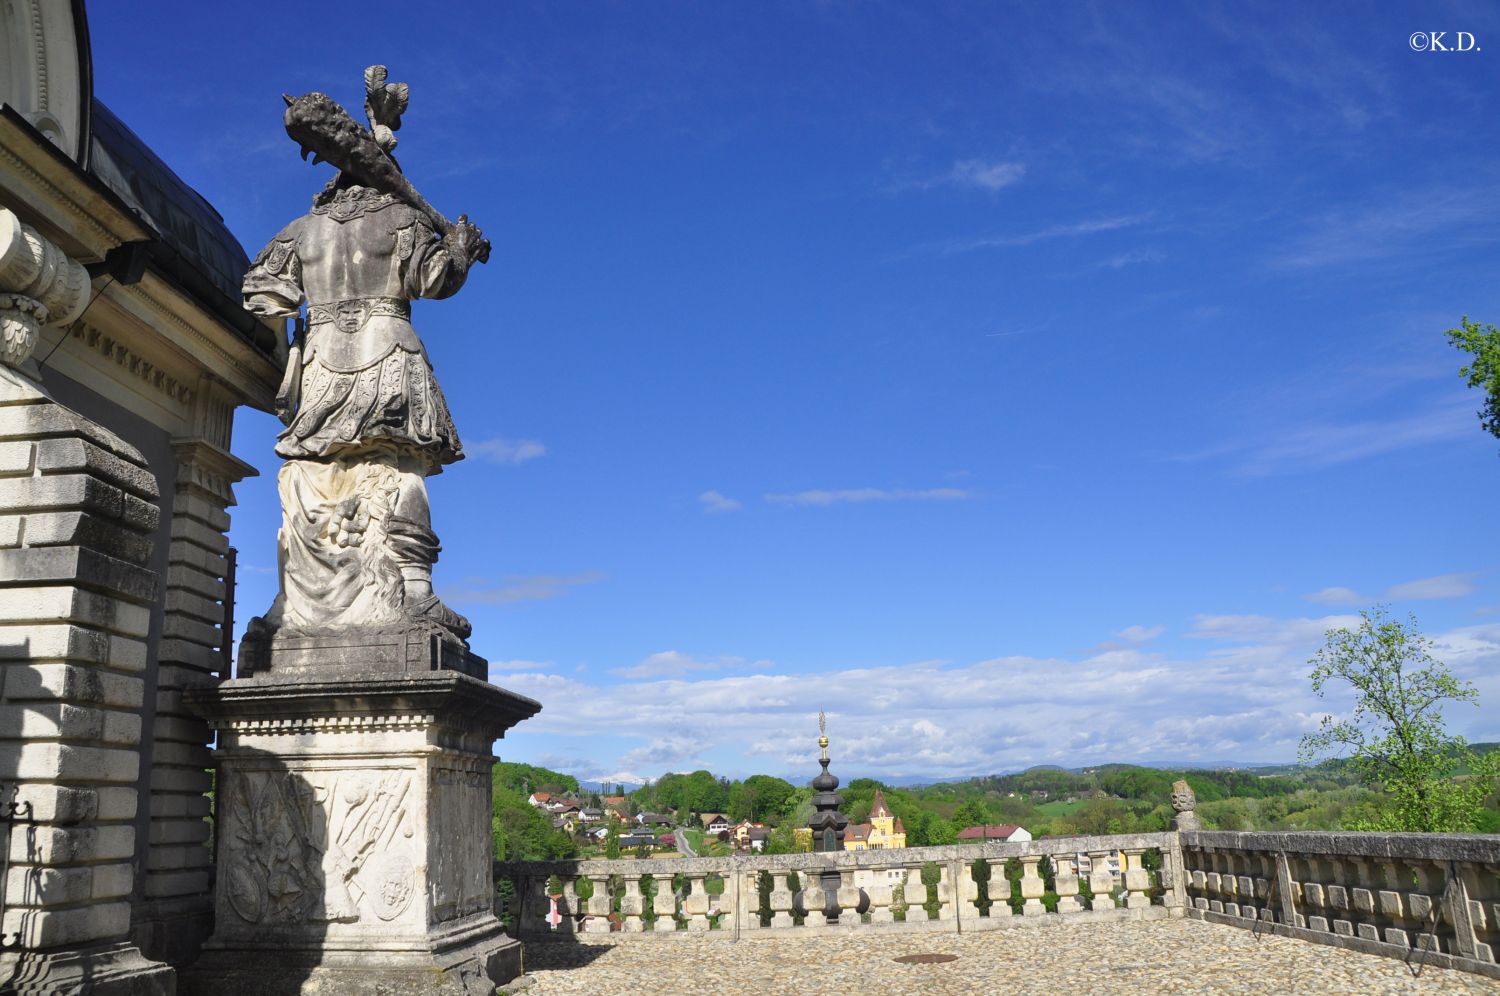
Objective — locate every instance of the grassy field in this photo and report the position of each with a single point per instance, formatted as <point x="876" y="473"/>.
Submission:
<point x="1060" y="808"/>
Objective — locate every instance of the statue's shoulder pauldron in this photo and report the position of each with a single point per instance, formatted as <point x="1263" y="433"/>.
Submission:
<point x="409" y="236"/>
<point x="279" y="257"/>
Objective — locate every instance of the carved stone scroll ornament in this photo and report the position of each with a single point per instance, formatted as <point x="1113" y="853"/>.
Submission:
<point x="366" y="422"/>
<point x="39" y="286"/>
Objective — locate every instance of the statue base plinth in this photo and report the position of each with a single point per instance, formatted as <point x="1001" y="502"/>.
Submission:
<point x="353" y="834"/>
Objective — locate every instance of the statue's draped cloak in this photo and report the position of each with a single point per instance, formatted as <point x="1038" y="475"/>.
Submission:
<point x="365" y="380"/>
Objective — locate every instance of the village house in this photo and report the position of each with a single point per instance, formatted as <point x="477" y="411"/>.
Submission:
<point x="883" y="833"/>
<point x="1006" y="832"/>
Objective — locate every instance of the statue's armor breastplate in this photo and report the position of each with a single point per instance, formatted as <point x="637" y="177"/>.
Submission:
<point x="353" y="275"/>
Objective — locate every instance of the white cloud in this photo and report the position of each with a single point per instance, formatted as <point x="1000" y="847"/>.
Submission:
<point x="986" y="175"/>
<point x="1442" y="586"/>
<point x="663" y="751"/>
<point x="1423" y="589"/>
<point x="1397" y="226"/>
<point x="1069" y="230"/>
<point x="1131" y="258"/>
<point x="713" y="501"/>
<point x="672" y="664"/>
<point x="1336" y="596"/>
<point x="520" y="665"/>
<point x="1266" y="629"/>
<point x="506" y="451"/>
<point x="1245" y="697"/>
<point x="1140" y="634"/>
<point x="517" y="588"/>
<point x="1316" y="446"/>
<point x="858" y="495"/>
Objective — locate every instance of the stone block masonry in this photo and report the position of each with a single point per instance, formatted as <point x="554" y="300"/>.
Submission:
<point x="78" y="508"/>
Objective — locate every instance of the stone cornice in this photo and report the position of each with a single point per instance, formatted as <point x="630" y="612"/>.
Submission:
<point x="247" y="372"/>
<point x="50" y="192"/>
<point x="325" y="724"/>
<point x="206" y="466"/>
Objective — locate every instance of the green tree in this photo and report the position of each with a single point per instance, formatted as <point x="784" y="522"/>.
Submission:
<point x="1483" y="343"/>
<point x="1395" y="737"/>
<point x="612" y="841"/>
<point x="973" y="813"/>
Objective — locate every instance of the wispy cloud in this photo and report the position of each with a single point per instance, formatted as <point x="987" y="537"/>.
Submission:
<point x="713" y="501"/>
<point x="672" y="664"/>
<point x="506" y="451"/>
<point x="518" y="588"/>
<point x="1064" y="231"/>
<point x="1336" y="596"/>
<point x="1441" y="586"/>
<point x="1131" y="258"/>
<point x="1266" y="629"/>
<point x="1140" y="634"/>
<point x="1439" y="220"/>
<point x="1310" y="447"/>
<point x="859" y="495"/>
<point x="1456" y="585"/>
<point x="986" y="175"/>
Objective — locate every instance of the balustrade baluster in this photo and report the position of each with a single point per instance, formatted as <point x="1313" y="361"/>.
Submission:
<point x="664" y="904"/>
<point x="814" y="901"/>
<point x="1480" y="884"/>
<point x="696" y="903"/>
<point x="1315" y="895"/>
<point x="848" y="898"/>
<point x="781" y="900"/>
<point x="882" y="895"/>
<point x="999" y="889"/>
<point x="598" y="906"/>
<point x="1065" y="880"/>
<point x="1101" y="881"/>
<point x="1033" y="887"/>
<point x="1391" y="900"/>
<point x="916" y="896"/>
<point x="1137" y="878"/>
<point x="568" y="906"/>
<point x="632" y="906"/>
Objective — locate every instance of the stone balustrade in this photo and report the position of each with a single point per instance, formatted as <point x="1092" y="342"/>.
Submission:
<point x="924" y="888"/>
<point x="1427" y="898"/>
<point x="1431" y="899"/>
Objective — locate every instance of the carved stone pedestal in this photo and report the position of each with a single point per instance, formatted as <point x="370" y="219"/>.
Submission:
<point x="353" y="838"/>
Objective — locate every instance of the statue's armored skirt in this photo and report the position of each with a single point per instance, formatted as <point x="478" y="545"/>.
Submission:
<point x="362" y="378"/>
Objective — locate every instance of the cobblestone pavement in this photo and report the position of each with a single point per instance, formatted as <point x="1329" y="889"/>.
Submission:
<point x="1160" y="956"/>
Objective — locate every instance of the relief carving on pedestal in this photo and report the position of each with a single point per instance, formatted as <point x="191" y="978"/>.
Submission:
<point x="318" y="846"/>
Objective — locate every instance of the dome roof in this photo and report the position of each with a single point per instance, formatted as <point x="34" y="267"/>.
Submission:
<point x="193" y="247"/>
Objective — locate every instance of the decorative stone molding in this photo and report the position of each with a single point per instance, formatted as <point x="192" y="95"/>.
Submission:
<point x="113" y="349"/>
<point x="39" y="285"/>
<point x="39" y="38"/>
<point x="324" y="724"/>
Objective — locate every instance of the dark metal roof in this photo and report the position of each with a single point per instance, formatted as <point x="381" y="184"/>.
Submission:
<point x="193" y="248"/>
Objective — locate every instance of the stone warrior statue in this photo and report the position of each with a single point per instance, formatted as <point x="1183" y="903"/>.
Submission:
<point x="366" y="423"/>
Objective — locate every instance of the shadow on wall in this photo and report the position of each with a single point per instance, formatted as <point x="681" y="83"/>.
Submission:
<point x="16" y="968"/>
<point x="286" y="871"/>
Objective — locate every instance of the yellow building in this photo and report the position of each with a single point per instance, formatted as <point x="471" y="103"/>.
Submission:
<point x="883" y="832"/>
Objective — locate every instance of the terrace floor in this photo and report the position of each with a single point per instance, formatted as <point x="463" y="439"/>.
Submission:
<point x="1155" y="956"/>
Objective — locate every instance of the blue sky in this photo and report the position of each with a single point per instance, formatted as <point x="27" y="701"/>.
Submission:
<point x="1020" y="384"/>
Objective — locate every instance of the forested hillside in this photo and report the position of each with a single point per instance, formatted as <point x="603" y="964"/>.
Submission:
<point x="1047" y="801"/>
